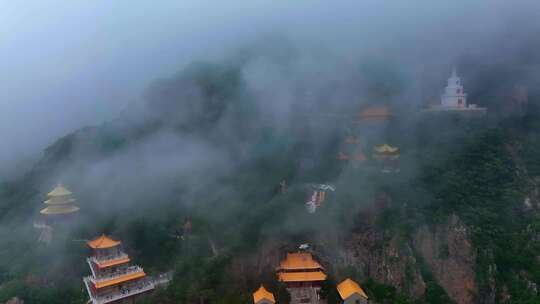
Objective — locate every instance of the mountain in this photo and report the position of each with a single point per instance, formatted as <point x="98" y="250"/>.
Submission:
<point x="458" y="224"/>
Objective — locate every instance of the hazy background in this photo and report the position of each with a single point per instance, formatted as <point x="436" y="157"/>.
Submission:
<point x="66" y="64"/>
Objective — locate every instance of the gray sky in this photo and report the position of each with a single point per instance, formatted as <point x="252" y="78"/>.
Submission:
<point x="66" y="64"/>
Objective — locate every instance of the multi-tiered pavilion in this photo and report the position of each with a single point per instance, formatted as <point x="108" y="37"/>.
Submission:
<point x="113" y="279"/>
<point x="303" y="276"/>
<point x="60" y="205"/>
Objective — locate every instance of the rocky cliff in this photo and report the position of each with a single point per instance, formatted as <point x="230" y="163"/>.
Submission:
<point x="448" y="252"/>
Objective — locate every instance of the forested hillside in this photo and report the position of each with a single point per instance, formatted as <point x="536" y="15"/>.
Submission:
<point x="459" y="222"/>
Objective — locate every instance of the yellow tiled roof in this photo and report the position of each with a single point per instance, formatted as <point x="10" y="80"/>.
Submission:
<point x="299" y="260"/>
<point x="121" y="279"/>
<point x="385" y="148"/>
<point x="61" y="209"/>
<point x="263" y="294"/>
<point x="119" y="261"/>
<point x="60" y="196"/>
<point x="60" y="200"/>
<point x="350" y="287"/>
<point x="311" y="276"/>
<point x="103" y="242"/>
<point x="59" y="190"/>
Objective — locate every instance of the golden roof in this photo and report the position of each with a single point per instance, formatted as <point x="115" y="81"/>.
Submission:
<point x="125" y="278"/>
<point x="60" y="190"/>
<point x="299" y="260"/>
<point x="312" y="276"/>
<point x="60" y="196"/>
<point x="263" y="294"/>
<point x="59" y="209"/>
<point x="103" y="242"/>
<point x="349" y="287"/>
<point x="385" y="148"/>
<point x="375" y="112"/>
<point x="61" y="200"/>
<point x="114" y="262"/>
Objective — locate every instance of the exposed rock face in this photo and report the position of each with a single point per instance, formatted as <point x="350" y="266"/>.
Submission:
<point x="449" y="254"/>
<point x="387" y="258"/>
<point x="259" y="266"/>
<point x="389" y="261"/>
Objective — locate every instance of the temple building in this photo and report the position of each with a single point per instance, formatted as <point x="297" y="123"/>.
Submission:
<point x="351" y="151"/>
<point x="303" y="276"/>
<point x="370" y="123"/>
<point x="454" y="97"/>
<point x="60" y="205"/>
<point x="113" y="279"/>
<point x="373" y="114"/>
<point x="388" y="156"/>
<point x="315" y="200"/>
<point x="263" y="296"/>
<point x="351" y="293"/>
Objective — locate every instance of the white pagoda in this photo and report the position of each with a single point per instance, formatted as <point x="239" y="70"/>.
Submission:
<point x="454" y="98"/>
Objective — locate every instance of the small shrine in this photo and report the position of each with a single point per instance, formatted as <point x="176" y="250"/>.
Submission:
<point x="315" y="200"/>
<point x="317" y="196"/>
<point x="263" y="296"/>
<point x="351" y="293"/>
<point x="351" y="150"/>
<point x="113" y="279"/>
<point x="388" y="156"/>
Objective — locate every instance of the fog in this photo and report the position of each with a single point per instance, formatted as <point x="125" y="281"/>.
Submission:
<point x="166" y="110"/>
<point x="68" y="65"/>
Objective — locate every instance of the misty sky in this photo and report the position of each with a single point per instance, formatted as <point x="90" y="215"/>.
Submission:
<point x="66" y="64"/>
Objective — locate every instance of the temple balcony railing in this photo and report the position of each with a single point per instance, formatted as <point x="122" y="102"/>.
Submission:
<point x="127" y="271"/>
<point x="126" y="292"/>
<point x="107" y="258"/>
